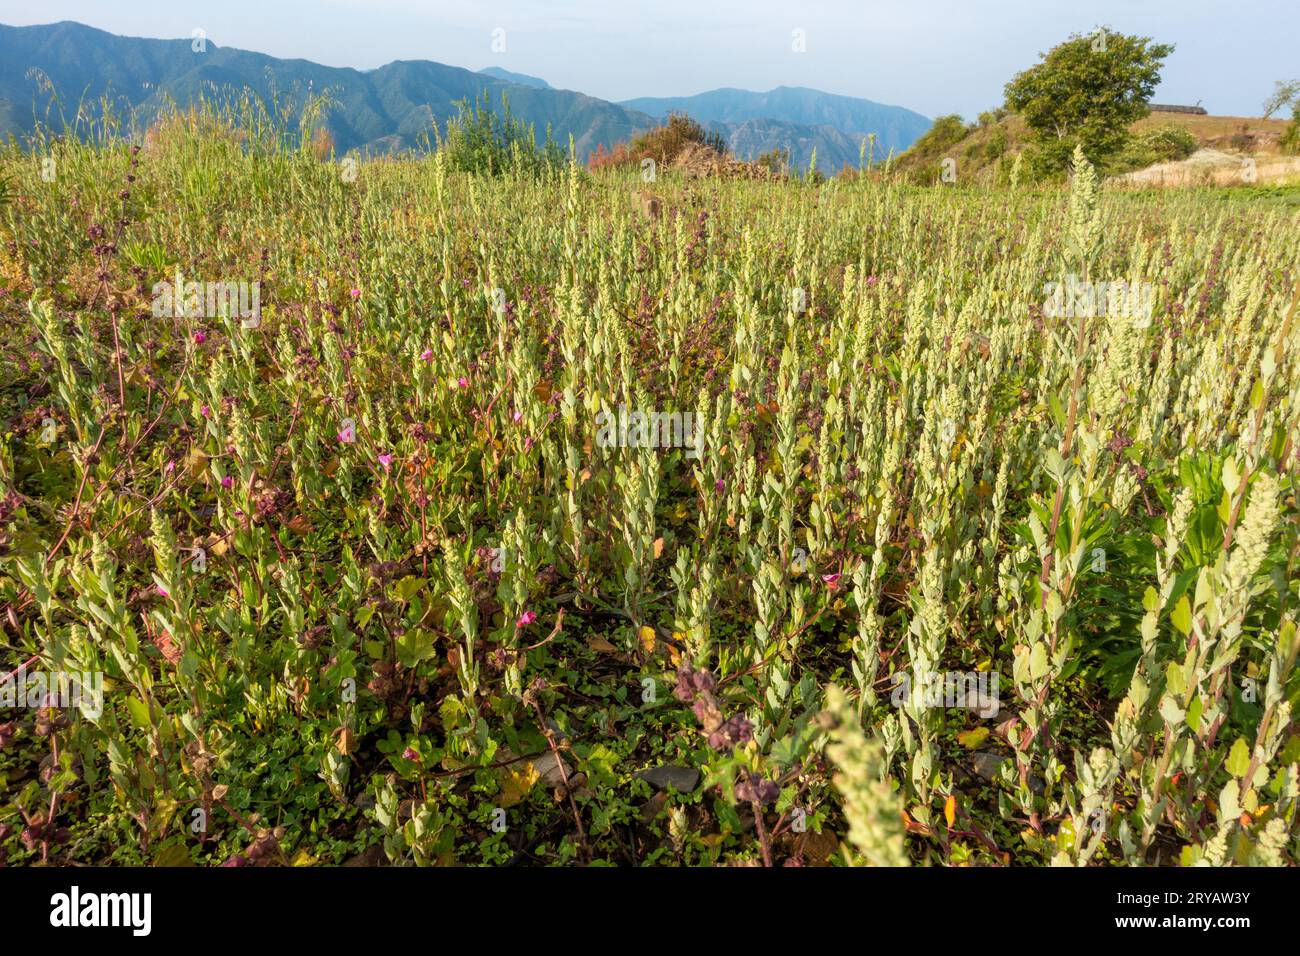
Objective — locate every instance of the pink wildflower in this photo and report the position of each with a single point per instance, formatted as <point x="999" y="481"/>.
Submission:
<point x="526" y="618"/>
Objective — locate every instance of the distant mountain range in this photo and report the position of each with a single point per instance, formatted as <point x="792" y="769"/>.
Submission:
<point x="523" y="79"/>
<point x="834" y="117"/>
<point x="390" y="108"/>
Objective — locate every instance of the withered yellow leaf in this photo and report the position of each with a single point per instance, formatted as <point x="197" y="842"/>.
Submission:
<point x="196" y="461"/>
<point x="598" y="643"/>
<point x="674" y="655"/>
<point x="658" y="547"/>
<point x="299" y="524"/>
<point x="950" y="810"/>
<point x="647" y="636"/>
<point x="516" y="781"/>
<point x="347" y="742"/>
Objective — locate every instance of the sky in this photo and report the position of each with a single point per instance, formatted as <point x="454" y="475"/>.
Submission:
<point x="932" y="56"/>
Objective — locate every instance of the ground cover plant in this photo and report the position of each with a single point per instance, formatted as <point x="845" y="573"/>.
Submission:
<point x="413" y="515"/>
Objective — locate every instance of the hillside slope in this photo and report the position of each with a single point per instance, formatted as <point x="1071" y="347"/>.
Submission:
<point x="895" y="127"/>
<point x="523" y="79"/>
<point x="389" y="108"/>
<point x="985" y="152"/>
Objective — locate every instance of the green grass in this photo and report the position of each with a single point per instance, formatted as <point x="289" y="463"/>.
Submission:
<point x="906" y="467"/>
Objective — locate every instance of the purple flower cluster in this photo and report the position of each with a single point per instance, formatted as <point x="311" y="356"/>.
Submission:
<point x="757" y="790"/>
<point x="696" y="687"/>
<point x="736" y="731"/>
<point x="691" y="682"/>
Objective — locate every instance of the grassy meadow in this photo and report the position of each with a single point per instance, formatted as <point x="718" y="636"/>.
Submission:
<point x="892" y="555"/>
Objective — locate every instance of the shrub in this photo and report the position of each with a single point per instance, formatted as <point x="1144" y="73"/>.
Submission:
<point x="482" y="141"/>
<point x="1290" y="141"/>
<point x="776" y="160"/>
<point x="604" y="158"/>
<point x="1159" y="144"/>
<point x="664" y="143"/>
<point x="946" y="132"/>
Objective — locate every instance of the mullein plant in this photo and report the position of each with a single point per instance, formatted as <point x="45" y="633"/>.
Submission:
<point x="1062" y="525"/>
<point x="463" y="619"/>
<point x="778" y="600"/>
<point x="1199" y="689"/>
<point x="518" y="580"/>
<point x="868" y="797"/>
<point x="636" y="476"/>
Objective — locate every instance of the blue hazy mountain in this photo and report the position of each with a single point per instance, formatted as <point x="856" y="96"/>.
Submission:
<point x="523" y="79"/>
<point x="396" y="105"/>
<point x="894" y="126"/>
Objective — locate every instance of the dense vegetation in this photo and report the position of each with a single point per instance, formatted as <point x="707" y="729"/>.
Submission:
<point x="1084" y="93"/>
<point x="663" y="144"/>
<point x="367" y="577"/>
<point x="1087" y="92"/>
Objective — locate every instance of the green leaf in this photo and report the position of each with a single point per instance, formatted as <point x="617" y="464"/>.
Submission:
<point x="173" y="854"/>
<point x="1054" y="607"/>
<point x="1151" y="599"/>
<point x="1038" y="664"/>
<point x="1170" y="711"/>
<point x="1182" y="616"/>
<point x="139" y="712"/>
<point x="1230" y="477"/>
<point x="408" y="587"/>
<point x="414" y="646"/>
<point x="1229" y="801"/>
<point x="1239" y="758"/>
<point x="1175" y="679"/>
<point x="1204" y="590"/>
